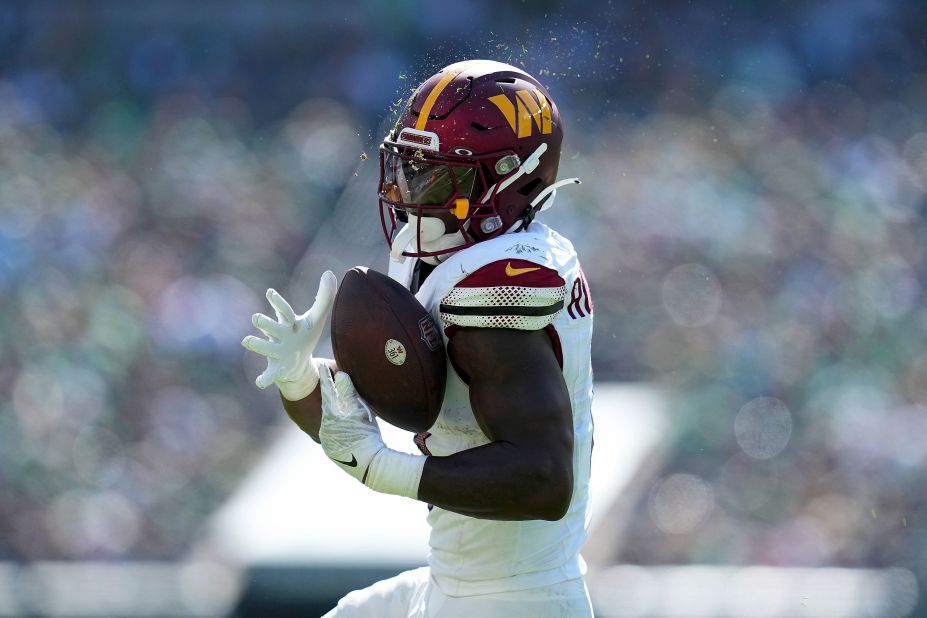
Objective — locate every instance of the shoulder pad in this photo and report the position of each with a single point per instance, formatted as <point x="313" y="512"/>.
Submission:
<point x="506" y="294"/>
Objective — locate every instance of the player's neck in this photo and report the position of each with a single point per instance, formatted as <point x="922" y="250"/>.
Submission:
<point x="419" y="274"/>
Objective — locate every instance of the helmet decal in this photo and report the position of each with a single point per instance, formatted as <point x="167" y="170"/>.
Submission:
<point x="529" y="108"/>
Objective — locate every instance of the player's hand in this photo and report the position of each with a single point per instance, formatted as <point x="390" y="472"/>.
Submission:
<point x="349" y="434"/>
<point x="291" y="339"/>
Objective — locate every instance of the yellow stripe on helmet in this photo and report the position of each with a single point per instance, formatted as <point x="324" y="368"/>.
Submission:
<point x="432" y="97"/>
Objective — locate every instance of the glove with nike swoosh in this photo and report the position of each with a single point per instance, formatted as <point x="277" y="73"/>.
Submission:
<point x="351" y="438"/>
<point x="291" y="339"/>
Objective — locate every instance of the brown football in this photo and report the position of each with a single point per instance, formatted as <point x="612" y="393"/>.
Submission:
<point x="389" y="344"/>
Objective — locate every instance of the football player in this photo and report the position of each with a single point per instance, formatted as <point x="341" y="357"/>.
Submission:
<point x="470" y="162"/>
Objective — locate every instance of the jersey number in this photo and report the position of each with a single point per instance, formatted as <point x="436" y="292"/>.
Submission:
<point x="580" y="301"/>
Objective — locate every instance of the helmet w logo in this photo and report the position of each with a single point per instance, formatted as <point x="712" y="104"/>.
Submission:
<point x="531" y="105"/>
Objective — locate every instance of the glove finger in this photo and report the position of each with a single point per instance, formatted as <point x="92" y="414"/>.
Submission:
<point x="328" y="287"/>
<point x="268" y="326"/>
<point x="268" y="377"/>
<point x="344" y="385"/>
<point x="261" y="346"/>
<point x="283" y="309"/>
<point x="349" y="400"/>
<point x="329" y="395"/>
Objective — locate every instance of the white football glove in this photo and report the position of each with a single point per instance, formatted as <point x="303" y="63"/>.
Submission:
<point x="349" y="434"/>
<point x="291" y="339"/>
<point x="351" y="438"/>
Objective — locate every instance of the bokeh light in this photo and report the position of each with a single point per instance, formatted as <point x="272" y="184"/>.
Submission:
<point x="679" y="503"/>
<point x="763" y="427"/>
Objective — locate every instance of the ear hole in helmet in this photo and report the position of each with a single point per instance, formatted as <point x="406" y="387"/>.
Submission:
<point x="529" y="187"/>
<point x="479" y="127"/>
<point x="506" y="80"/>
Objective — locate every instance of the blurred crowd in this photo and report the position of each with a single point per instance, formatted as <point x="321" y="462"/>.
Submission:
<point x="751" y="221"/>
<point x="768" y="267"/>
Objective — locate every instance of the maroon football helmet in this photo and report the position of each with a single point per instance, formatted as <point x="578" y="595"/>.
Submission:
<point x="474" y="154"/>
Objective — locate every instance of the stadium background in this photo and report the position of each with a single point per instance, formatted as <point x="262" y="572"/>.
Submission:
<point x="752" y="223"/>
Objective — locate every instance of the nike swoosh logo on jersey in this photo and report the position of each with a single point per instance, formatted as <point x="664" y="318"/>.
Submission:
<point x="350" y="464"/>
<point x="514" y="272"/>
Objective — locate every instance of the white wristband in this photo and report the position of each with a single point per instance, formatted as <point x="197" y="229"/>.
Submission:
<point x="393" y="472"/>
<point x="300" y="388"/>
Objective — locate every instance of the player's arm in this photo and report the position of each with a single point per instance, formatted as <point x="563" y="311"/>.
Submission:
<point x="307" y="412"/>
<point x="522" y="404"/>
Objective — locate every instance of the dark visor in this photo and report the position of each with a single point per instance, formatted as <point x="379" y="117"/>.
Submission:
<point x="409" y="181"/>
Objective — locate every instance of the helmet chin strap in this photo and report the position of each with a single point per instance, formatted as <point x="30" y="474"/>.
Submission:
<point x="551" y="190"/>
<point x="426" y="234"/>
<point x="530" y="164"/>
<point x="544" y="199"/>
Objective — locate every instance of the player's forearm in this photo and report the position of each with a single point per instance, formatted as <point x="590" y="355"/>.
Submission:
<point x="499" y="481"/>
<point x="307" y="412"/>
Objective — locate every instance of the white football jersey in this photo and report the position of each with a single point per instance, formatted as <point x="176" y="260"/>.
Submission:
<point x="528" y="280"/>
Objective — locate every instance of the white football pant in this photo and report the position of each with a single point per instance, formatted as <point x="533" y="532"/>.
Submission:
<point x="414" y="594"/>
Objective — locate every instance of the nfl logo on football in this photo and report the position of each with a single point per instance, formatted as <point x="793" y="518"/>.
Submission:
<point x="429" y="333"/>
